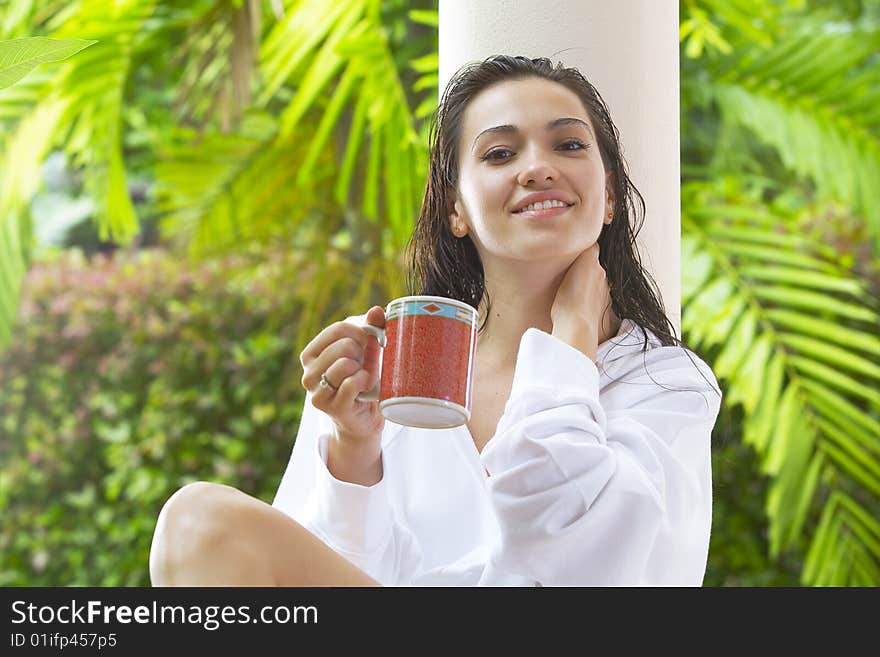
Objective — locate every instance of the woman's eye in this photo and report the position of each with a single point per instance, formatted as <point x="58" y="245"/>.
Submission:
<point x="496" y="154"/>
<point x="572" y="145"/>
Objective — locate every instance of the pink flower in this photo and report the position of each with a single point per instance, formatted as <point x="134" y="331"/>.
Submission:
<point x="61" y="305"/>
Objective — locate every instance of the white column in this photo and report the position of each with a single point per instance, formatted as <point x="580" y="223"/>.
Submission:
<point x="628" y="49"/>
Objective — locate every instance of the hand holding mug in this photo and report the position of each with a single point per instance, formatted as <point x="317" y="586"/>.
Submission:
<point x="423" y="377"/>
<point x="339" y="364"/>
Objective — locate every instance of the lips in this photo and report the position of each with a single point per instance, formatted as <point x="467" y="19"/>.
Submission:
<point x="543" y="200"/>
<point x="543" y="213"/>
<point x="544" y="205"/>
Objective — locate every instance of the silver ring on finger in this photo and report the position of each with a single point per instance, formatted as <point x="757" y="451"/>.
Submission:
<point x="325" y="383"/>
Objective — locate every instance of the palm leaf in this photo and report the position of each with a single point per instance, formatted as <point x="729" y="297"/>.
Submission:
<point x="225" y="190"/>
<point x="214" y="59"/>
<point x="37" y="117"/>
<point x="16" y="101"/>
<point x="93" y="85"/>
<point x="20" y="175"/>
<point x="811" y="93"/>
<point x="803" y="359"/>
<point x="339" y="51"/>
<point x="844" y="517"/>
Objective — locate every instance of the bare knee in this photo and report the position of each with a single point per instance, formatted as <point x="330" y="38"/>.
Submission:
<point x="193" y="533"/>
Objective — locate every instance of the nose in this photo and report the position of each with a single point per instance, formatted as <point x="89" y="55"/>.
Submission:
<point x="537" y="170"/>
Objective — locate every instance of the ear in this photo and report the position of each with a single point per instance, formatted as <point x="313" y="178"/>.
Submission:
<point x="609" y="198"/>
<point x="457" y="224"/>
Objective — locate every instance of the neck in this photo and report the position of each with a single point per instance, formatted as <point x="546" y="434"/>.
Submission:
<point x="521" y="298"/>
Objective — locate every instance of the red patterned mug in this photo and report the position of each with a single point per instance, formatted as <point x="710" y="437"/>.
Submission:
<point x="427" y="362"/>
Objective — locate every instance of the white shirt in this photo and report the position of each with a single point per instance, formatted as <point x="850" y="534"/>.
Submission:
<point x="596" y="476"/>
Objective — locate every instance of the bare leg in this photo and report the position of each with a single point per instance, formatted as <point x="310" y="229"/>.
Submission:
<point x="215" y="535"/>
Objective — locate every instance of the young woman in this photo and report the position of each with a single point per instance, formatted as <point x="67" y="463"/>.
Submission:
<point x="587" y="457"/>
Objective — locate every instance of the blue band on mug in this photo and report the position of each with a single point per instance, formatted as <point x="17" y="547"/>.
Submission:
<point x="432" y="308"/>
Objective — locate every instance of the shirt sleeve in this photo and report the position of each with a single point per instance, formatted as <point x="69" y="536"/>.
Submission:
<point x="358" y="522"/>
<point x="603" y="493"/>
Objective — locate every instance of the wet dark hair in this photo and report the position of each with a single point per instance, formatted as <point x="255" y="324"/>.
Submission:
<point x="445" y="265"/>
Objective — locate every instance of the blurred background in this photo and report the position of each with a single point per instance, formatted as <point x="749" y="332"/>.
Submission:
<point x="187" y="201"/>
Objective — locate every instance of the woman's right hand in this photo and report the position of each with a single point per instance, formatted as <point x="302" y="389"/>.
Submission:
<point x="348" y="357"/>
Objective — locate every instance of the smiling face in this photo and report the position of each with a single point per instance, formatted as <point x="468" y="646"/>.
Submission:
<point x="523" y="142"/>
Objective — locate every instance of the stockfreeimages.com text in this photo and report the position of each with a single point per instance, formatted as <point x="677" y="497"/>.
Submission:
<point x="210" y="617"/>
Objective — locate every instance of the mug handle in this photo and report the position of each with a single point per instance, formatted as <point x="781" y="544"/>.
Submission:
<point x="373" y="395"/>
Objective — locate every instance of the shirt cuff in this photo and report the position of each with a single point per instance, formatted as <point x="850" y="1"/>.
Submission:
<point x="545" y="361"/>
<point x="353" y="518"/>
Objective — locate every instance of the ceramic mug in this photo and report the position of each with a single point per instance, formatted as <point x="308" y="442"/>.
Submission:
<point x="427" y="361"/>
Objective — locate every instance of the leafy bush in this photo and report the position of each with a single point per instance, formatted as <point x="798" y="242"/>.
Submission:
<point x="128" y="378"/>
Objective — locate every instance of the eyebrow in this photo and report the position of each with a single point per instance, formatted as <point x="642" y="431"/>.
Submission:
<point x="556" y="123"/>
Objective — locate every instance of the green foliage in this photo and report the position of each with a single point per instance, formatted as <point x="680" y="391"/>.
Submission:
<point x="24" y="154"/>
<point x="342" y="52"/>
<point x="226" y="189"/>
<point x="307" y="113"/>
<point x="19" y="56"/>
<point x="804" y="83"/>
<point x="129" y="378"/>
<point x="779" y="129"/>
<point x="739" y="553"/>
<point x="801" y="356"/>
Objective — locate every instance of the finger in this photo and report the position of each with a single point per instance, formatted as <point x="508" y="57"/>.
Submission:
<point x="324" y="397"/>
<point x="372" y="354"/>
<point x="345" y="347"/>
<point x="329" y="335"/>
<point x="351" y="387"/>
<point x="341" y="370"/>
<point x="376" y="316"/>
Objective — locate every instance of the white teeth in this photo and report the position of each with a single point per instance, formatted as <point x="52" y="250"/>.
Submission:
<point x="545" y="205"/>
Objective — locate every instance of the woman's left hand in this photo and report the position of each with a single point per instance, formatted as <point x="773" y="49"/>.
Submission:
<point x="582" y="315"/>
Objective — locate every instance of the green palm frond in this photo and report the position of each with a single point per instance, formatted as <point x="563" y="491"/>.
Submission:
<point x="20" y="176"/>
<point x="338" y="58"/>
<point x="16" y="101"/>
<point x="16" y="18"/>
<point x="812" y="95"/>
<point x="221" y="191"/>
<point x="205" y="70"/>
<point x="797" y="347"/>
<point x="229" y="190"/>
<point x="93" y="85"/>
<point x="345" y="130"/>
<point x="850" y="560"/>
<point x="341" y="168"/>
<point x="215" y="59"/>
<point x="714" y="23"/>
<point x="36" y="114"/>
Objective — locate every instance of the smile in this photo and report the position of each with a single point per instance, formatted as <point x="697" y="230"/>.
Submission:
<point x="544" y="209"/>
